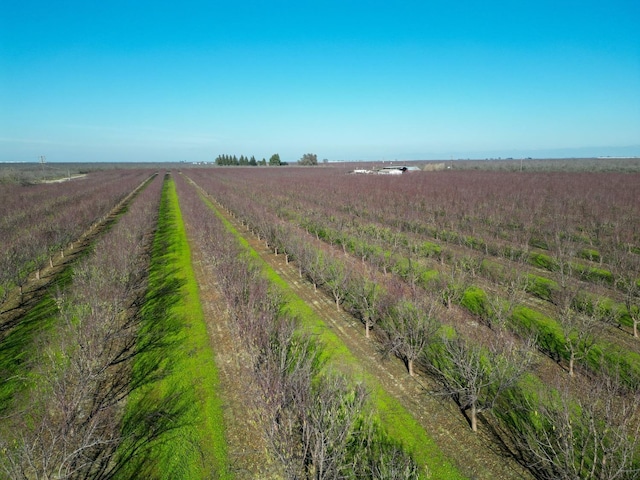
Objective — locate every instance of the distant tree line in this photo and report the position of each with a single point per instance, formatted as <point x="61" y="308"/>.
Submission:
<point x="226" y="160"/>
<point x="274" y="160"/>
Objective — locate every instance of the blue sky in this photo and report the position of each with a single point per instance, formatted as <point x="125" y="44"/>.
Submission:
<point x="347" y="80"/>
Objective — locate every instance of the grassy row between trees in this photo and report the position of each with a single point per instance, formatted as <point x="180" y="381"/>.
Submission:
<point x="393" y="417"/>
<point x="180" y="410"/>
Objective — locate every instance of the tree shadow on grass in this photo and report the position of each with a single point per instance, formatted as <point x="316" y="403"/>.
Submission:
<point x="155" y="421"/>
<point x="17" y="343"/>
<point x="157" y="410"/>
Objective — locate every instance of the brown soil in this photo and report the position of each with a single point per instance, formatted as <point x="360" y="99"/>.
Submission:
<point x="246" y="447"/>
<point x="478" y="456"/>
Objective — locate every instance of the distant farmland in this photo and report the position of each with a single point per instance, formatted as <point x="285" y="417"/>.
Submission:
<point x="480" y="321"/>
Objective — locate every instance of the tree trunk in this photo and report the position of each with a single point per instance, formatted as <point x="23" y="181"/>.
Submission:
<point x="410" y="366"/>
<point x="635" y="328"/>
<point x="366" y="329"/>
<point x="571" y="361"/>
<point x="474" y="417"/>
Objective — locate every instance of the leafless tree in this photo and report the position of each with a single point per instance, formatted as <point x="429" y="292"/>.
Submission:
<point x="501" y="304"/>
<point x="317" y="267"/>
<point x="285" y="365"/>
<point x="471" y="264"/>
<point x="372" y="454"/>
<point x="592" y="435"/>
<point x="368" y="299"/>
<point x="328" y="424"/>
<point x="451" y="284"/>
<point x="627" y="272"/>
<point x="475" y="377"/>
<point x="409" y="327"/>
<point x="337" y="279"/>
<point x="580" y="330"/>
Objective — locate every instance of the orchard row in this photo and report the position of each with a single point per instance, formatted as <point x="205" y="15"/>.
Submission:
<point x="37" y="221"/>
<point x="316" y="421"/>
<point x="68" y="364"/>
<point x="399" y="306"/>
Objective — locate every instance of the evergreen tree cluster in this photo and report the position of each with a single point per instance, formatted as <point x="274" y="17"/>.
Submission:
<point x="226" y="160"/>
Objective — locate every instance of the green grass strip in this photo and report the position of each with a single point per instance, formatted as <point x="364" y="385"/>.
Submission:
<point x="397" y="421"/>
<point x="17" y="350"/>
<point x="192" y="444"/>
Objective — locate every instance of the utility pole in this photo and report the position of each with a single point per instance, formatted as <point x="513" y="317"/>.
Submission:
<point x="43" y="160"/>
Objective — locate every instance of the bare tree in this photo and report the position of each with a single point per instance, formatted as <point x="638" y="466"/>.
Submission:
<point x="592" y="435"/>
<point x="337" y="279"/>
<point x="452" y="284"/>
<point x="500" y="305"/>
<point x="475" y="377"/>
<point x="328" y="425"/>
<point x="368" y="300"/>
<point x="317" y="267"/>
<point x="302" y="254"/>
<point x="627" y="281"/>
<point x="409" y="327"/>
<point x="579" y="329"/>
<point x="286" y="362"/>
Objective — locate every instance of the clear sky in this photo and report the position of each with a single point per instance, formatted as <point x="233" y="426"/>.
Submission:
<point x="166" y="80"/>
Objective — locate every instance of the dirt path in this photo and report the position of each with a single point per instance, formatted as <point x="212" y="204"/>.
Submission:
<point x="246" y="448"/>
<point x="477" y="456"/>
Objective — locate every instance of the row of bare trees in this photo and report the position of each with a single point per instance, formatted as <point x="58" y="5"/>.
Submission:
<point x="36" y="221"/>
<point x="478" y="374"/>
<point x="558" y="218"/>
<point x="580" y="328"/>
<point x="317" y="422"/>
<point x="67" y="422"/>
<point x="406" y="322"/>
<point x="562" y="431"/>
<point x="368" y="227"/>
<point x="578" y="331"/>
<point x="592" y="211"/>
